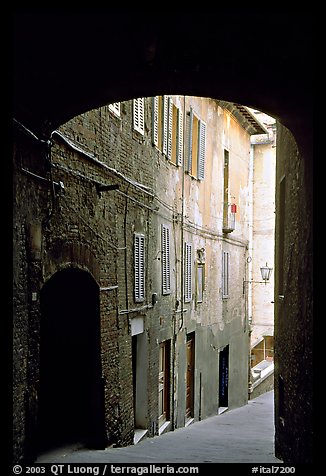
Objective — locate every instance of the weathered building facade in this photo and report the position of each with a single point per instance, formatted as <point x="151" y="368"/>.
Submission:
<point x="132" y="246"/>
<point x="261" y="253"/>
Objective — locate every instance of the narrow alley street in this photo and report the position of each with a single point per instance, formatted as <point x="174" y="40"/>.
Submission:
<point x="242" y="435"/>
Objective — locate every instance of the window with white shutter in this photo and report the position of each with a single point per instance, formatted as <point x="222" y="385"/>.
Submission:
<point x="166" y="273"/>
<point x="165" y="124"/>
<point x="188" y="272"/>
<point x="180" y="138"/>
<point x="167" y="128"/>
<point x="115" y="108"/>
<point x="201" y="150"/>
<point x="170" y="128"/>
<point x="139" y="263"/>
<point x="195" y="145"/>
<point x="138" y="115"/>
<point x="155" y="120"/>
<point x="225" y="274"/>
<point x="189" y="129"/>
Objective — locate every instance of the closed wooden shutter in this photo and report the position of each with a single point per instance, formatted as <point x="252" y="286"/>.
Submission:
<point x="189" y="125"/>
<point x="188" y="273"/>
<point x="138" y="115"/>
<point x="201" y="150"/>
<point x="155" y="119"/>
<point x="166" y="275"/>
<point x="170" y="128"/>
<point x="165" y="124"/>
<point x="139" y="259"/>
<point x="180" y="138"/>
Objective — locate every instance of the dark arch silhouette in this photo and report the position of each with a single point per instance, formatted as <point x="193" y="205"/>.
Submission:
<point x="260" y="59"/>
<point x="71" y="408"/>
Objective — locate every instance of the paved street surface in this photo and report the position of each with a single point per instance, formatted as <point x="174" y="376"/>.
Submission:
<point x="243" y="435"/>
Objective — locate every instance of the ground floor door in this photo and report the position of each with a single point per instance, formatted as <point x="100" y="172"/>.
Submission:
<point x="164" y="383"/>
<point x="224" y="377"/>
<point x="71" y="392"/>
<point x="190" y="375"/>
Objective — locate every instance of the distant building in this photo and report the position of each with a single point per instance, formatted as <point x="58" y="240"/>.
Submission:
<point x="261" y="251"/>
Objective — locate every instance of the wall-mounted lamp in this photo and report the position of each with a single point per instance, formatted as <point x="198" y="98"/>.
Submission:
<point x="265" y="274"/>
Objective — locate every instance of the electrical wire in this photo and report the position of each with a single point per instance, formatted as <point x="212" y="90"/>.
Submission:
<point x="90" y="156"/>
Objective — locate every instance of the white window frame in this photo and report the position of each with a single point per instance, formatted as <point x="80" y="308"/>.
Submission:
<point x="166" y="268"/>
<point x="187" y="272"/>
<point x="138" y="115"/>
<point x="139" y="267"/>
<point x="225" y="275"/>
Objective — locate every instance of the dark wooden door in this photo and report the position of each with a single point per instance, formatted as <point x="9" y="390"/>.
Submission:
<point x="224" y="377"/>
<point x="190" y="372"/>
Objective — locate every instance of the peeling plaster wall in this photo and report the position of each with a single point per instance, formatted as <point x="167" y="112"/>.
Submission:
<point x="217" y="322"/>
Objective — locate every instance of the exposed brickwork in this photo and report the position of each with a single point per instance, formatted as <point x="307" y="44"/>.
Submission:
<point x="93" y="231"/>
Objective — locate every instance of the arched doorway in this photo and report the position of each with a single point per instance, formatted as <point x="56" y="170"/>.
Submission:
<point x="71" y="406"/>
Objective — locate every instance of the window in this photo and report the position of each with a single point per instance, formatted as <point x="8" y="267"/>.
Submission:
<point x="200" y="282"/>
<point x="139" y="262"/>
<point x="227" y="225"/>
<point x="138" y="115"/>
<point x="196" y="145"/>
<point x="188" y="273"/>
<point x="225" y="274"/>
<point x="115" y="108"/>
<point x="167" y="128"/>
<point x="166" y="276"/>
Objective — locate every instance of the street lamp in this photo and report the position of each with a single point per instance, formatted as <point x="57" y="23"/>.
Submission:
<point x="265" y="274"/>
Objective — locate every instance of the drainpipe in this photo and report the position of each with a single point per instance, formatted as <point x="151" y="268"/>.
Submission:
<point x="179" y="311"/>
<point x="182" y="211"/>
<point x="249" y="261"/>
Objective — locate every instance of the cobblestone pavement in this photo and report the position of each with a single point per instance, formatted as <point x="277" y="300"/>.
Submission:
<point x="242" y="435"/>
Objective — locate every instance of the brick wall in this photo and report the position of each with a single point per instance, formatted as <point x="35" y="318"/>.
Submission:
<point x="82" y="227"/>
